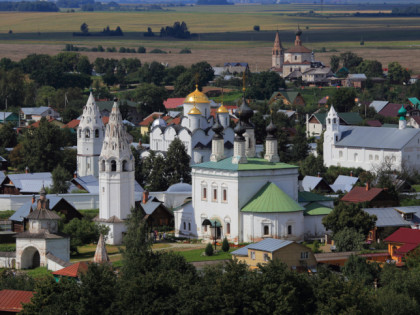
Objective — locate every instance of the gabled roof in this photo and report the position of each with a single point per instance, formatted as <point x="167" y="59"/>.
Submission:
<point x="306" y="196"/>
<point x="31" y="182"/>
<point x="351" y="118"/>
<point x="151" y="205"/>
<point x="288" y="113"/>
<point x="357" y="76"/>
<point x="8" y="116"/>
<point x="74" y="270"/>
<point x="344" y="183"/>
<point x="43" y="214"/>
<point x="267" y="245"/>
<point x="315" y="208"/>
<point x="270" y="198"/>
<point x="12" y="300"/>
<point x="388" y="217"/>
<point x="236" y="64"/>
<point x="374" y="123"/>
<point x="2" y="177"/>
<point x="378" y="105"/>
<point x="89" y="183"/>
<point x="406" y="236"/>
<point x="378" y="138"/>
<point x="298" y="49"/>
<point x="73" y="123"/>
<point x="360" y="194"/>
<point x="391" y="110"/>
<point x="415" y="101"/>
<point x="149" y="119"/>
<point x="35" y="110"/>
<point x="310" y="182"/>
<point x="253" y="164"/>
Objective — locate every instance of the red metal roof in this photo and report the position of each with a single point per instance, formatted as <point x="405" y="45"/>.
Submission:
<point x="105" y="120"/>
<point x="391" y="110"/>
<point x="73" y="270"/>
<point x="374" y="123"/>
<point x="175" y="121"/>
<point x="172" y="103"/>
<point x="73" y="124"/>
<point x="36" y="124"/>
<point x="12" y="300"/>
<point x="405" y="236"/>
<point x="149" y="119"/>
<point x="360" y="194"/>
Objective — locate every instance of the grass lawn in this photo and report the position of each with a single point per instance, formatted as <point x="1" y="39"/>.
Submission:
<point x="40" y="272"/>
<point x="416" y="187"/>
<point x="6" y="214"/>
<point x="8" y="247"/>
<point x="87" y="252"/>
<point x="195" y="255"/>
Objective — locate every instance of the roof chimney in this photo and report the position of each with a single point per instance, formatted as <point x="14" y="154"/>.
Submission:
<point x="33" y="198"/>
<point x="351" y="173"/>
<point x="75" y="174"/>
<point x="319" y="174"/>
<point x="367" y="186"/>
<point x="145" y="196"/>
<point x="26" y="170"/>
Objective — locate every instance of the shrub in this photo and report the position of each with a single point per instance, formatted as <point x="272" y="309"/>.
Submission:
<point x="209" y="250"/>
<point x="122" y="50"/>
<point x="256" y="28"/>
<point x="157" y="51"/>
<point x="225" y="245"/>
<point x="185" y="51"/>
<point x="141" y="50"/>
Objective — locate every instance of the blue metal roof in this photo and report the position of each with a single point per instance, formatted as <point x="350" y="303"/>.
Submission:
<point x="31" y="182"/>
<point x="391" y="217"/>
<point x="310" y="182"/>
<point x="376" y="138"/>
<point x="344" y="183"/>
<point x="378" y="105"/>
<point x="2" y="176"/>
<point x="266" y="245"/>
<point x="35" y="110"/>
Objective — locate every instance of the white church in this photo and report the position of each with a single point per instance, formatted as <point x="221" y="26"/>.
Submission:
<point x="194" y="129"/>
<point x="370" y="147"/>
<point x="245" y="198"/>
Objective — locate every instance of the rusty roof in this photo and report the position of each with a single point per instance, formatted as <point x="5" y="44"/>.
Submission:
<point x="73" y="270"/>
<point x="12" y="300"/>
<point x="361" y="194"/>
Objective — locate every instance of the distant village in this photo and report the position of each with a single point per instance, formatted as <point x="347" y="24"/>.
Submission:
<point x="313" y="166"/>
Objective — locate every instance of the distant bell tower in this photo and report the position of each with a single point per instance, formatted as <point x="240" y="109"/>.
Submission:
<point x="90" y="136"/>
<point x="277" y="58"/>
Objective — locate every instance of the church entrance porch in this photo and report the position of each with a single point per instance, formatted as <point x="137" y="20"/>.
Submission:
<point x="30" y="258"/>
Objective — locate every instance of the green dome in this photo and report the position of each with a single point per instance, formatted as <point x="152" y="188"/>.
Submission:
<point x="402" y="112"/>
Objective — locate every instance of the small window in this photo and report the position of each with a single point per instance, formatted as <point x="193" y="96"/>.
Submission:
<point x="87" y="133"/>
<point x="329" y="121"/>
<point x="376" y="157"/>
<point x="189" y="226"/>
<point x="289" y="230"/>
<point x="227" y="228"/>
<point x="185" y="226"/>
<point x="225" y="194"/>
<point x="340" y="154"/>
<point x="304" y="255"/>
<point x="266" y="230"/>
<point x="334" y="121"/>
<point x="205" y="228"/>
<point x="355" y="157"/>
<point x="103" y="166"/>
<point x="253" y="255"/>
<point x="266" y="258"/>
<point x="370" y="157"/>
<point x="103" y="189"/>
<point x="215" y="194"/>
<point x="125" y="166"/>
<point x="96" y="133"/>
<point x="204" y="196"/>
<point x="113" y="166"/>
<point x="295" y="57"/>
<point x="80" y="133"/>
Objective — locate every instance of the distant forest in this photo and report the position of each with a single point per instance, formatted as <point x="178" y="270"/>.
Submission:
<point x="39" y="6"/>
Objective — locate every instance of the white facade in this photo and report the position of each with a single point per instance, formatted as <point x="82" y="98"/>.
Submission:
<point x="194" y="129"/>
<point x="116" y="177"/>
<point x="90" y="136"/>
<point x="370" y="147"/>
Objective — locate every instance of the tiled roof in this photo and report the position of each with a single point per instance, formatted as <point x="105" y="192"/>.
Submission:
<point x="391" y="110"/>
<point x="73" y="124"/>
<point x="409" y="237"/>
<point x="266" y="245"/>
<point x="12" y="300"/>
<point x="270" y="198"/>
<point x="43" y="214"/>
<point x="175" y="121"/>
<point x="36" y="124"/>
<point x="315" y="208"/>
<point x="253" y="164"/>
<point x="172" y="103"/>
<point x="73" y="270"/>
<point x="306" y="196"/>
<point x="360" y="194"/>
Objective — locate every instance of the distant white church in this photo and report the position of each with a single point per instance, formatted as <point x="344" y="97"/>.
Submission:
<point x="370" y="147"/>
<point x="194" y="129"/>
<point x="245" y="198"/>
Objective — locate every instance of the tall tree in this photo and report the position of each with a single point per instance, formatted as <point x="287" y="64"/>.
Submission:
<point x="350" y="60"/>
<point x="8" y="137"/>
<point x="60" y="177"/>
<point x="343" y="99"/>
<point x="150" y="98"/>
<point x="397" y="74"/>
<point x="177" y="163"/>
<point x="371" y="68"/>
<point x="300" y="148"/>
<point x="334" y="63"/>
<point x="153" y="168"/>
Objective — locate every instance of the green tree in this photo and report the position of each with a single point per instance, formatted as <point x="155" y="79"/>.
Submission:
<point x="300" y="147"/>
<point x="150" y="98"/>
<point x="263" y="84"/>
<point x="153" y="169"/>
<point x="84" y="65"/>
<point x="343" y="100"/>
<point x="8" y="137"/>
<point x="60" y="177"/>
<point x="177" y="163"/>
<point x="138" y="174"/>
<point x="349" y="216"/>
<point x="312" y="166"/>
<point x="152" y="73"/>
<point x="84" y="28"/>
<point x="348" y="239"/>
<point x="358" y="269"/>
<point x="334" y="63"/>
<point x="225" y="245"/>
<point x="12" y="88"/>
<point x="350" y="60"/>
<point x="397" y="74"/>
<point x="209" y="250"/>
<point x="371" y="68"/>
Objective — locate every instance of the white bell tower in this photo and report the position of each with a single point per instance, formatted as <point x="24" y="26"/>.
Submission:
<point x="116" y="177"/>
<point x="331" y="136"/>
<point x="90" y="136"/>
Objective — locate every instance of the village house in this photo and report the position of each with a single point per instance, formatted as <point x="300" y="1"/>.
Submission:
<point x="287" y="98"/>
<point x="155" y="212"/>
<point x="316" y="123"/>
<point x="25" y="184"/>
<point x="402" y="242"/>
<point x="375" y="197"/>
<point x="28" y="114"/>
<point x="313" y="183"/>
<point x="11" y="301"/>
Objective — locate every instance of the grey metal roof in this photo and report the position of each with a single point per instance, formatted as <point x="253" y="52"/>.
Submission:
<point x="5" y="115"/>
<point x="35" y="110"/>
<point x="376" y="138"/>
<point x="137" y="187"/>
<point x="31" y="182"/>
<point x="151" y="205"/>
<point x="25" y="209"/>
<point x="266" y="245"/>
<point x="310" y="182"/>
<point x="378" y="105"/>
<point x="413" y="209"/>
<point x="357" y="76"/>
<point x="344" y="183"/>
<point x="174" y="113"/>
<point x="288" y="113"/>
<point x="389" y="217"/>
<point x="2" y="176"/>
<point x="2" y="159"/>
<point x="90" y="183"/>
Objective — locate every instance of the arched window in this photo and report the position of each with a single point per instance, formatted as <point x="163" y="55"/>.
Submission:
<point x="289" y="229"/>
<point x="124" y="166"/>
<point x="370" y="157"/>
<point x="80" y="133"/>
<point x="214" y="194"/>
<point x="376" y="157"/>
<point x="227" y="228"/>
<point x="113" y="166"/>
<point x="87" y="133"/>
<point x="334" y="121"/>
<point x="329" y="121"/>
<point x="204" y="196"/>
<point x="266" y="230"/>
<point x="340" y="154"/>
<point x="103" y="166"/>
<point x="224" y="194"/>
<point x="355" y="157"/>
<point x="185" y="226"/>
<point x="189" y="226"/>
<point x="96" y="133"/>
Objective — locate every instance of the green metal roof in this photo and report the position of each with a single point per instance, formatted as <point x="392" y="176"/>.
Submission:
<point x="306" y="196"/>
<point x="271" y="198"/>
<point x="349" y="118"/>
<point x="415" y="101"/>
<point x="315" y="208"/>
<point x="253" y="164"/>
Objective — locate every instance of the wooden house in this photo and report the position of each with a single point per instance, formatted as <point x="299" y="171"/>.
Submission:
<point x="375" y="197"/>
<point x="288" y="98"/>
<point x="402" y="242"/>
<point x="155" y="212"/>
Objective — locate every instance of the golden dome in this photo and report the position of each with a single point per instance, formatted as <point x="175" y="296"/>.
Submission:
<point x="196" y="97"/>
<point x="222" y="110"/>
<point x="194" y="111"/>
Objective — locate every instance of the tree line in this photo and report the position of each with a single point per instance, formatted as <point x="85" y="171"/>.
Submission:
<point x="29" y="6"/>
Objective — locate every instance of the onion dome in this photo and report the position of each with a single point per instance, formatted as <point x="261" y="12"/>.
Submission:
<point x="239" y="130"/>
<point x="298" y="31"/>
<point x="159" y="122"/>
<point x="197" y="97"/>
<point x="217" y="128"/>
<point x="180" y="187"/>
<point x="42" y="192"/>
<point x="222" y="110"/>
<point x="245" y="113"/>
<point x="271" y="131"/>
<point x="194" y="111"/>
<point x="402" y="112"/>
